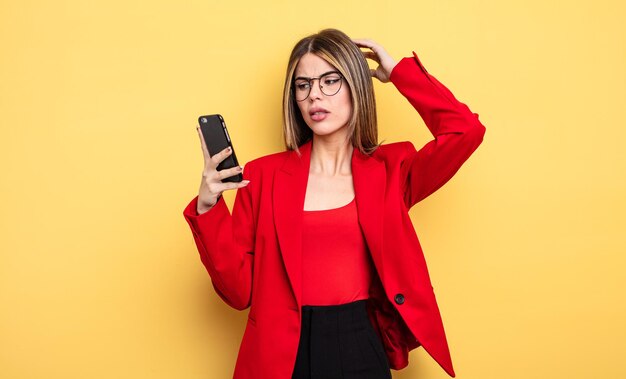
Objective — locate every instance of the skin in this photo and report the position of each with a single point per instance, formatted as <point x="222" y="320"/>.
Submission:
<point x="330" y="176"/>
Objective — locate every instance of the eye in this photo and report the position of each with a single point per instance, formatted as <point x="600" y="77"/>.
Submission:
<point x="331" y="80"/>
<point x="302" y="85"/>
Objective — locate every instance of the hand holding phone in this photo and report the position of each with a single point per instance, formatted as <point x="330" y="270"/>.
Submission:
<point x="216" y="139"/>
<point x="221" y="169"/>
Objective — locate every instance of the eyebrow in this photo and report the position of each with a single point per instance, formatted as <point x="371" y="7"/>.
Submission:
<point x="327" y="72"/>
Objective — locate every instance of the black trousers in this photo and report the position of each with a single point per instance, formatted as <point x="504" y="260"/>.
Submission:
<point x="339" y="342"/>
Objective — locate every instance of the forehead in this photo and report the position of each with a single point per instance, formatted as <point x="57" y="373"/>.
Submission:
<point x="311" y="65"/>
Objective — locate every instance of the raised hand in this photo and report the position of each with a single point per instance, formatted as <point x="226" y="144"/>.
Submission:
<point x="211" y="186"/>
<point x="378" y="54"/>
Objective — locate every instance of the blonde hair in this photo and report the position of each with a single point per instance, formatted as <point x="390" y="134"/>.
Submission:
<point x="337" y="49"/>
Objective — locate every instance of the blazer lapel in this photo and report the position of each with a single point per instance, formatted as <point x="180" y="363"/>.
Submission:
<point x="370" y="181"/>
<point x="289" y="190"/>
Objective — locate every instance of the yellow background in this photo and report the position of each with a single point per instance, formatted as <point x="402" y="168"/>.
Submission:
<point x="99" y="275"/>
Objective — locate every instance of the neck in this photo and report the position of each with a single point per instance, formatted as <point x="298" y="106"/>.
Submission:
<point x="331" y="157"/>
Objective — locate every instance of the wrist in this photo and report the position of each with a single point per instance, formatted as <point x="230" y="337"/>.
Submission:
<point x="205" y="207"/>
<point x="202" y="210"/>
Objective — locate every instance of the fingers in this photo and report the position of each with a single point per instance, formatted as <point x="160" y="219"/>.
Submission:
<point x="364" y="42"/>
<point x="386" y="63"/>
<point x="219" y="187"/>
<point x="214" y="186"/>
<point x="219" y="157"/>
<point x="211" y="186"/>
<point x="243" y="183"/>
<point x="226" y="173"/>
<point x="378" y="54"/>
<point x="377" y="49"/>
<point x="371" y="55"/>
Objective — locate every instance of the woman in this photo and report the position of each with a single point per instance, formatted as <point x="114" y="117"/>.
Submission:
<point x="320" y="245"/>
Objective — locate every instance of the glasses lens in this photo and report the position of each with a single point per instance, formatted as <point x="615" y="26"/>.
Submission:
<point x="330" y="84"/>
<point x="302" y="89"/>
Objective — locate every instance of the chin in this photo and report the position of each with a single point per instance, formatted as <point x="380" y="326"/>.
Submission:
<point x="322" y="129"/>
<point x="332" y="124"/>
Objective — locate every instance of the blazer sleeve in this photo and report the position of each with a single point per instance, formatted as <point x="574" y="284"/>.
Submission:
<point x="226" y="243"/>
<point x="457" y="131"/>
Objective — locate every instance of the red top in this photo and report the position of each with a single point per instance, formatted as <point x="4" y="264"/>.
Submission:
<point x="336" y="265"/>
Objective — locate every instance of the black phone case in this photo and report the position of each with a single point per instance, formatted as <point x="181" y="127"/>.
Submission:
<point x="217" y="139"/>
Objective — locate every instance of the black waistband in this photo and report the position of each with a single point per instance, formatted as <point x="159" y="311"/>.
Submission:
<point x="338" y="308"/>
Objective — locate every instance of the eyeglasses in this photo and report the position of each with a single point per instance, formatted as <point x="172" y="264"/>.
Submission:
<point x="329" y="82"/>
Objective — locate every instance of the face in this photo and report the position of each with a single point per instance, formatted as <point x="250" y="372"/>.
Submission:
<point x="325" y="115"/>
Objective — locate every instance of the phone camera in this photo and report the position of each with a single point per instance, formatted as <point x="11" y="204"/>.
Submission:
<point x="203" y="120"/>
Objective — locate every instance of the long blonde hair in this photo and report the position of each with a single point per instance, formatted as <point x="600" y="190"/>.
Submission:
<point x="337" y="49"/>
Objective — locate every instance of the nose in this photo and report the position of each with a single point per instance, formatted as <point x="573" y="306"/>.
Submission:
<point x="315" y="92"/>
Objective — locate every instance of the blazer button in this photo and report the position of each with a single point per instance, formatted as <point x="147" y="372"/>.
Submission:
<point x="399" y="298"/>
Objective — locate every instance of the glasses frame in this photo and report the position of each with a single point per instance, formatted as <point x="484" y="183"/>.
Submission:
<point x="319" y="83"/>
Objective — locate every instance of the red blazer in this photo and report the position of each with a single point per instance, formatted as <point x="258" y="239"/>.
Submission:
<point x="253" y="256"/>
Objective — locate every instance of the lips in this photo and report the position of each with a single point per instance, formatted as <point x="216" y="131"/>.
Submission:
<point x="318" y="113"/>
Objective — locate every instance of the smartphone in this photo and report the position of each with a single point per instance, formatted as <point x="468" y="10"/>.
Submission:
<point x="217" y="139"/>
